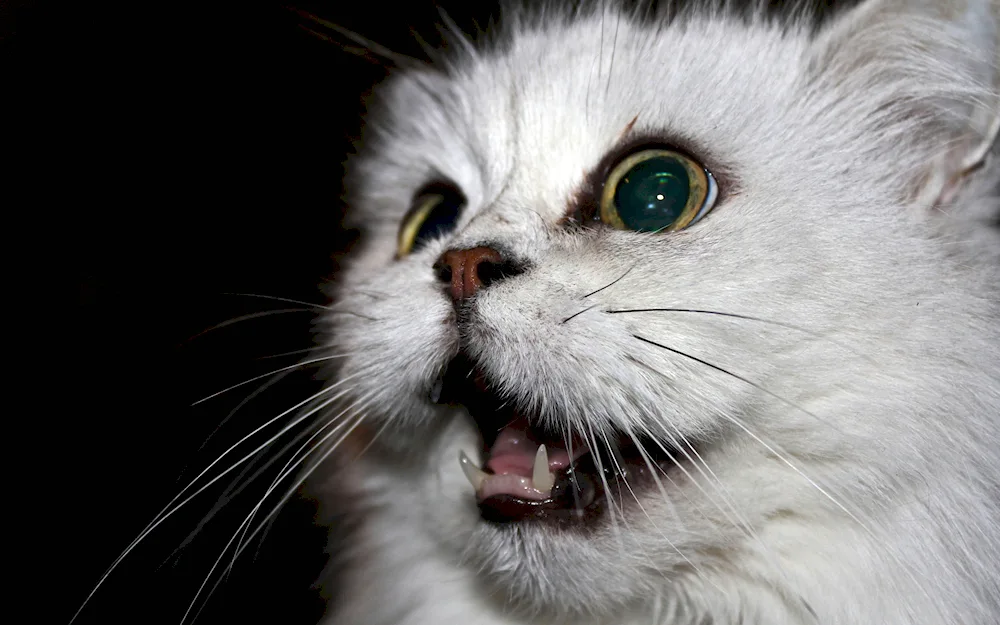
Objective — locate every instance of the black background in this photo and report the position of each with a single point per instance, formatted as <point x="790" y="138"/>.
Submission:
<point x="160" y="156"/>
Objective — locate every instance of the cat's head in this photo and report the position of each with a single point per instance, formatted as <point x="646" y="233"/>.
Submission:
<point x="702" y="257"/>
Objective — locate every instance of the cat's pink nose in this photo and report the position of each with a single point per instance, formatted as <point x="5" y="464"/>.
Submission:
<point x="467" y="271"/>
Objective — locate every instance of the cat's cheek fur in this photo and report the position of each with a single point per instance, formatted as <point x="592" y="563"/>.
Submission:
<point x="389" y="349"/>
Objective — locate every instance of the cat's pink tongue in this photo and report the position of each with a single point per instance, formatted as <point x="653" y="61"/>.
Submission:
<point x="517" y="467"/>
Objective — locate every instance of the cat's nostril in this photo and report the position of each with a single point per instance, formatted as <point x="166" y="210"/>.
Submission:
<point x="489" y="273"/>
<point x="467" y="271"/>
<point x="442" y="271"/>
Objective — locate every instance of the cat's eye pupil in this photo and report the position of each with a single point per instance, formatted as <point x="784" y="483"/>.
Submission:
<point x="434" y="213"/>
<point x="439" y="220"/>
<point x="653" y="194"/>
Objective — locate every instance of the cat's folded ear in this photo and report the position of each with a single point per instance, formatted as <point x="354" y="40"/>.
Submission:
<point x="934" y="65"/>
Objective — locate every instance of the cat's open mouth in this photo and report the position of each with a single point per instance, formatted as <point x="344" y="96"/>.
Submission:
<point x="531" y="472"/>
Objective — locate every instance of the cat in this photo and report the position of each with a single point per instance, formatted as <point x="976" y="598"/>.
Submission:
<point x="674" y="315"/>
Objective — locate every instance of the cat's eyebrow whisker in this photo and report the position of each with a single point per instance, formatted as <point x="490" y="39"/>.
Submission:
<point x="614" y="48"/>
<point x="170" y="508"/>
<point x="782" y="324"/>
<point x="400" y="60"/>
<point x="304" y="363"/>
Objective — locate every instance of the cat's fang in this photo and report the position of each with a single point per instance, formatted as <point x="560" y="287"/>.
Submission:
<point x="473" y="473"/>
<point x="541" y="478"/>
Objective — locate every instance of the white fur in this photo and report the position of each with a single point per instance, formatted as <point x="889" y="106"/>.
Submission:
<point x="855" y="479"/>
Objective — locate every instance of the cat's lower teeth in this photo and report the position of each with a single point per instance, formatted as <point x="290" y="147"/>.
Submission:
<point x="537" y="487"/>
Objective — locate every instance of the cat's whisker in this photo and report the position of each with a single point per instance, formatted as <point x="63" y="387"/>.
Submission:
<point x="287" y="300"/>
<point x="663" y="474"/>
<point x="305" y="447"/>
<point x="677" y="442"/>
<point x="767" y="446"/>
<point x="610" y="284"/>
<point x="741" y="523"/>
<point x="243" y="402"/>
<point x="310" y="305"/>
<point x="716" y="368"/>
<point x="238" y="484"/>
<point x="592" y="442"/>
<point x="291" y="491"/>
<point x="568" y="440"/>
<point x="249" y="317"/>
<point x="745" y="380"/>
<point x="304" y="363"/>
<point x="304" y="476"/>
<point x="171" y="508"/>
<point x="577" y="314"/>
<point x="614" y="455"/>
<point x="777" y="453"/>
<point x="294" y="352"/>
<point x="666" y="499"/>
<point x="784" y="459"/>
<point x="782" y="324"/>
<point x="377" y="295"/>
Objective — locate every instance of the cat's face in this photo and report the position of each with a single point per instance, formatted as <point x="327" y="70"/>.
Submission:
<point x="763" y="373"/>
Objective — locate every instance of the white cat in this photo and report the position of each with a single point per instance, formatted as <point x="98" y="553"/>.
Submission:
<point x="741" y="271"/>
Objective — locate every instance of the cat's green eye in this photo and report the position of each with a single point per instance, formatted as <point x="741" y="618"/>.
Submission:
<point x="434" y="212"/>
<point x="657" y="190"/>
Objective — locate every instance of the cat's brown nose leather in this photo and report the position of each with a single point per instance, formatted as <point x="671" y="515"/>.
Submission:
<point x="467" y="271"/>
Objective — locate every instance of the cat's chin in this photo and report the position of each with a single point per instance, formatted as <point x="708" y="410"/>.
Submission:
<point x="538" y="473"/>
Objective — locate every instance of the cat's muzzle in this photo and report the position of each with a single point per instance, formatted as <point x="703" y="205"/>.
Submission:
<point x="533" y="473"/>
